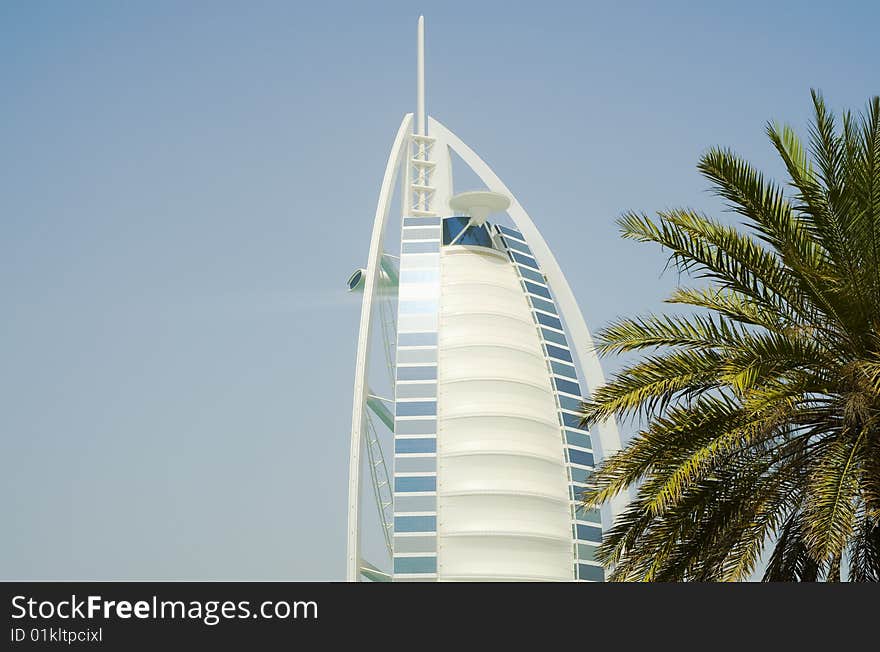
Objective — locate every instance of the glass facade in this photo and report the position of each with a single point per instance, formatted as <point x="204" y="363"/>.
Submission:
<point x="477" y="236"/>
<point x="586" y="524"/>
<point x="415" y="425"/>
<point x="415" y="437"/>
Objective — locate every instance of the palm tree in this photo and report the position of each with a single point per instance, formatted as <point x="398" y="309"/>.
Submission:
<point x="758" y="413"/>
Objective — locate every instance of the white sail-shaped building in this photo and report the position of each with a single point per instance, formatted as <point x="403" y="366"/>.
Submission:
<point x="489" y="356"/>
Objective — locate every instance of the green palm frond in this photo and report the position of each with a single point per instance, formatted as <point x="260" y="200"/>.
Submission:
<point x="759" y="413"/>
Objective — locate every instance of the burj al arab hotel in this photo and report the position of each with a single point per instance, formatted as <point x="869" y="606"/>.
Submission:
<point x="472" y="359"/>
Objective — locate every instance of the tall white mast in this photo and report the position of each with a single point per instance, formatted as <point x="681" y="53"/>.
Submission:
<point x="420" y="80"/>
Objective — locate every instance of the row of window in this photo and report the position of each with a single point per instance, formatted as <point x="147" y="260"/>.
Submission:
<point x="415" y="443"/>
<point x="565" y="381"/>
<point x="561" y="363"/>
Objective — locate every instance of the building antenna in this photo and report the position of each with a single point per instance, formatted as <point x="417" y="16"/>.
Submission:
<point x="420" y="80"/>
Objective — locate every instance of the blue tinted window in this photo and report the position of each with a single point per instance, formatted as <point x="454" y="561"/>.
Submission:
<point x="540" y="290"/>
<point x="579" y="475"/>
<point x="554" y="352"/>
<point x="568" y="403"/>
<point x="571" y="420"/>
<point x="586" y="552"/>
<point x="522" y="259"/>
<point x="416" y="408"/>
<point x="518" y="246"/>
<point x="580" y="457"/>
<point x="415" y="523"/>
<point x="540" y="304"/>
<point x="578" y="439"/>
<point x="589" y="533"/>
<point x="525" y="272"/>
<point x="417" y="339"/>
<point x="547" y="320"/>
<point x="576" y="492"/>
<point x="553" y="336"/>
<point x="588" y="514"/>
<point x="425" y="445"/>
<point x="417" y="373"/>
<point x="421" y="221"/>
<point x="415" y="483"/>
<point x="511" y="232"/>
<point x="567" y="386"/>
<point x="475" y="235"/>
<point x="592" y="573"/>
<point x="415" y="564"/>
<point x="416" y="427"/>
<point x="563" y="369"/>
<point x="420" y="247"/>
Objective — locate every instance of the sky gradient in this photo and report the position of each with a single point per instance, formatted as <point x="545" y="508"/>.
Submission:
<point x="185" y="187"/>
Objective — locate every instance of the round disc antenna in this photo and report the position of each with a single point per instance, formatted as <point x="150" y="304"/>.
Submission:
<point x="479" y="204"/>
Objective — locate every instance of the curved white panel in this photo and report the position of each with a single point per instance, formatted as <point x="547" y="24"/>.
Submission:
<point x="582" y="341"/>
<point x="498" y="433"/>
<point x="487" y="328"/>
<point x="498" y="557"/>
<point x="505" y="472"/>
<point x="531" y="516"/>
<point x="505" y="359"/>
<point x="502" y="484"/>
<point x="491" y="395"/>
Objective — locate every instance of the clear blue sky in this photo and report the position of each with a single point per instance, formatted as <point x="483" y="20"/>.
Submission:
<point x="184" y="188"/>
